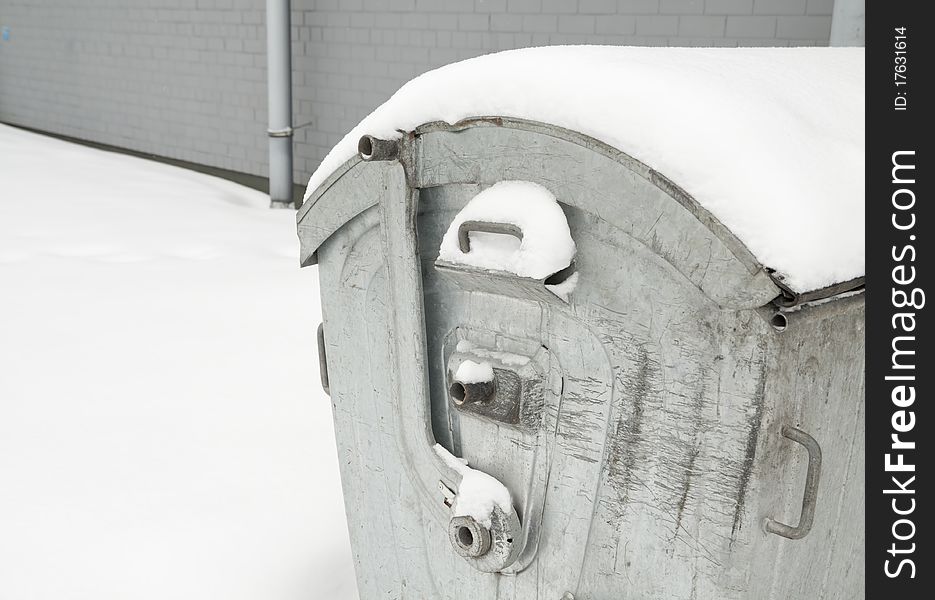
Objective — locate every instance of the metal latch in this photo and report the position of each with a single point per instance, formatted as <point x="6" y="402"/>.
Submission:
<point x="513" y="392"/>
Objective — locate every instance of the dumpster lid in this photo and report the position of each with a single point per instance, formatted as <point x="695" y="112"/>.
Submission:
<point x="769" y="140"/>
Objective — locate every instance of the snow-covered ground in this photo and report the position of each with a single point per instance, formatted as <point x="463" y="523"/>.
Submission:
<point x="163" y="433"/>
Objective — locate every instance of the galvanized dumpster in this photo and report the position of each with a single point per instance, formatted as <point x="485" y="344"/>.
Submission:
<point x="676" y="426"/>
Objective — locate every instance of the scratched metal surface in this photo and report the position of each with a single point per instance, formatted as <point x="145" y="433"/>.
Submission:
<point x="657" y="453"/>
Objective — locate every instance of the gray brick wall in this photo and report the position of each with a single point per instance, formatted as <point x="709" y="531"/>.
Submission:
<point x="186" y="79"/>
<point x="179" y="78"/>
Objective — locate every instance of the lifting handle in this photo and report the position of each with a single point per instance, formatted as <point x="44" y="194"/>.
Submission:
<point x="810" y="499"/>
<point x="464" y="241"/>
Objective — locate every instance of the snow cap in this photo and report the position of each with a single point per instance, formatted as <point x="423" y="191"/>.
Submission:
<point x="769" y="140"/>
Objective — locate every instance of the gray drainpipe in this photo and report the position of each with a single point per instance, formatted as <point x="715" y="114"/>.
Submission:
<point x="279" y="82"/>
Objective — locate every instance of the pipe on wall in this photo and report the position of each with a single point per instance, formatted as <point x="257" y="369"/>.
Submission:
<point x="279" y="87"/>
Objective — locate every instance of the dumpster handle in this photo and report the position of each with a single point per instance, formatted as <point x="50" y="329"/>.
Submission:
<point x="464" y="244"/>
<point x="810" y="498"/>
<point x="464" y="241"/>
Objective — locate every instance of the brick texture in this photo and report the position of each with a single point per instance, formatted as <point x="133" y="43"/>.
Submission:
<point x="186" y="79"/>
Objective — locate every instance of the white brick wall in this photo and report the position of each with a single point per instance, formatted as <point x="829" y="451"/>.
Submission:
<point x="187" y="78"/>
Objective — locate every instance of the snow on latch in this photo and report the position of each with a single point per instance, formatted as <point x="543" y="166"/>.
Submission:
<point x="507" y="358"/>
<point x="474" y="372"/>
<point x="770" y="140"/>
<point x="478" y="492"/>
<point x="546" y="247"/>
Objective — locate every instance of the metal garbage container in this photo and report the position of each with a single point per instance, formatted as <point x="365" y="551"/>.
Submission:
<point x="678" y="425"/>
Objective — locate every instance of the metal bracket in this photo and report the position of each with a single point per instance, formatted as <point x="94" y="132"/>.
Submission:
<point x="810" y="499"/>
<point x="278" y="133"/>
<point x="789" y="297"/>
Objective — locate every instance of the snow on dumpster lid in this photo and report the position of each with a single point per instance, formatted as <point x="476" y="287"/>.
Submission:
<point x="769" y="140"/>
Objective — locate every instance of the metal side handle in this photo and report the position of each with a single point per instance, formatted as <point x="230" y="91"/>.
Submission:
<point x="810" y="499"/>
